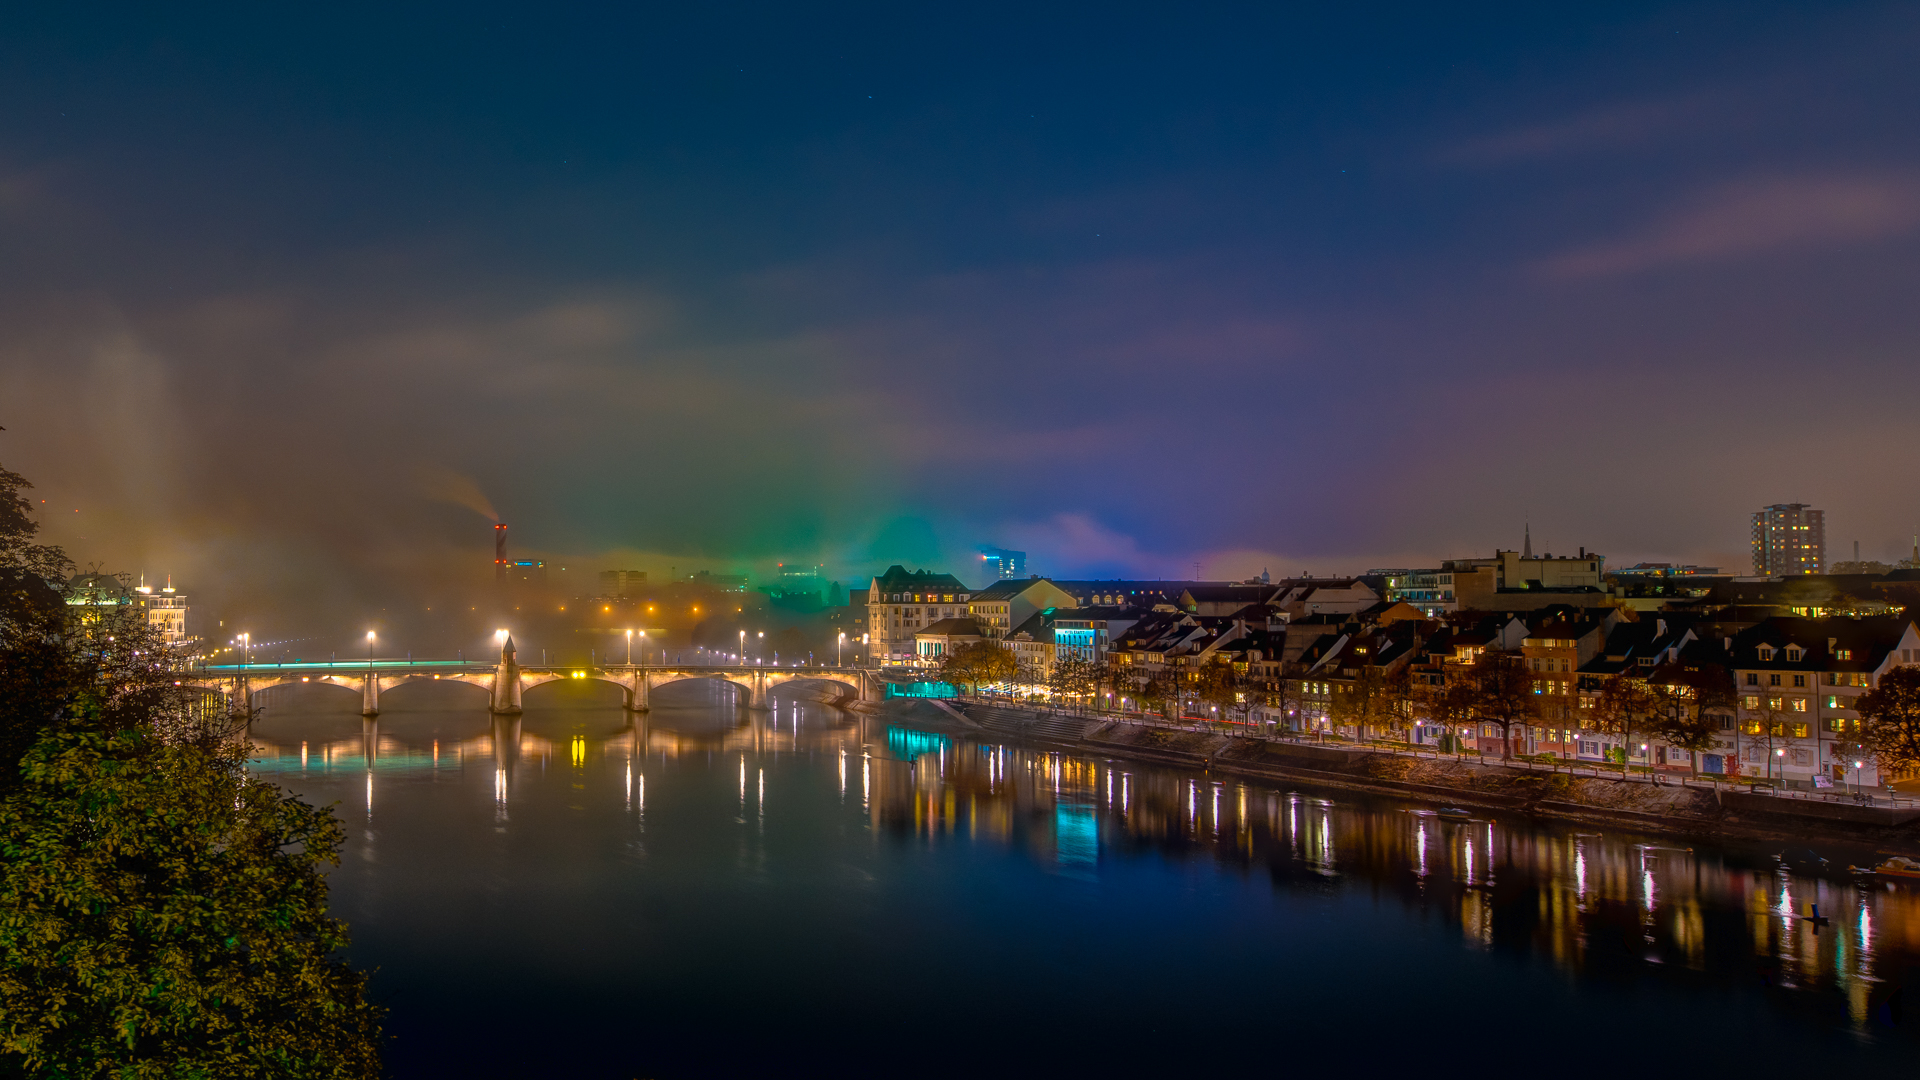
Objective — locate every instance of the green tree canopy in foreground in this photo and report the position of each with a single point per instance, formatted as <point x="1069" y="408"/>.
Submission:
<point x="162" y="913"/>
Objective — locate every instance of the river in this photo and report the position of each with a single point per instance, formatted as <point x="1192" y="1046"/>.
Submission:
<point x="714" y="892"/>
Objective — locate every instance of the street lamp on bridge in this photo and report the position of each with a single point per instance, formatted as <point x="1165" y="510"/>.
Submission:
<point x="743" y="646"/>
<point x="369" y="650"/>
<point x="838" y="644"/>
<point x="629" y="648"/>
<point x="246" y="648"/>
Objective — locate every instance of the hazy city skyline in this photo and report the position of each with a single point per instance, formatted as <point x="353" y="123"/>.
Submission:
<point x="290" y="306"/>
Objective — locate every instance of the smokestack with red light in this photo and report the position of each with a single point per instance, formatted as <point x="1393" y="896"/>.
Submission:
<point x="500" y="551"/>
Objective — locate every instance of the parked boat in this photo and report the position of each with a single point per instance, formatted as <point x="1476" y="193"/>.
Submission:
<point x="1899" y="867"/>
<point x="1452" y="813"/>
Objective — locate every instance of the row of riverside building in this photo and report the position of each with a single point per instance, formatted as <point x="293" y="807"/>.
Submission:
<point x="1793" y="653"/>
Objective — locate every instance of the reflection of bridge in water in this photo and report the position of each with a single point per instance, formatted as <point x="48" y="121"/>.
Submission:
<point x="507" y="681"/>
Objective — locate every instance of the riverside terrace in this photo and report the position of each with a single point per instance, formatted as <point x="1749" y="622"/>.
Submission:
<point x="506" y="681"/>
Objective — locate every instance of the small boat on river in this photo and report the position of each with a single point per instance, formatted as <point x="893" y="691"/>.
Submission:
<point x="1899" y="867"/>
<point x="1452" y="813"/>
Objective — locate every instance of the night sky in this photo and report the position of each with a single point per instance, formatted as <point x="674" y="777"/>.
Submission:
<point x="286" y="296"/>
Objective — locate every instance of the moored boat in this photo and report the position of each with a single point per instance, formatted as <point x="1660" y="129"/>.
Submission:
<point x="1899" y="867"/>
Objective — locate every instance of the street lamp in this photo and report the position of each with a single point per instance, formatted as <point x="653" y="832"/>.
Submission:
<point x="629" y="648"/>
<point x="743" y="643"/>
<point x="246" y="649"/>
<point x="369" y="650"/>
<point x="839" y="643"/>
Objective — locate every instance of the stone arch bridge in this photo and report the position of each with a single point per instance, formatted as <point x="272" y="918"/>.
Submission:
<point x="507" y="681"/>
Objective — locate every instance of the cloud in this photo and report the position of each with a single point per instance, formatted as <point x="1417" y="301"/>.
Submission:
<point x="1607" y="128"/>
<point x="1755" y="217"/>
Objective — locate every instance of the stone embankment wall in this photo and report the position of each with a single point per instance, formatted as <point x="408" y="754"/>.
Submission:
<point x="1668" y="808"/>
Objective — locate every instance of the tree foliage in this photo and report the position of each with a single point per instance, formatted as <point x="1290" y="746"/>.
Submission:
<point x="1502" y="693"/>
<point x="1891" y="715"/>
<point x="1625" y="705"/>
<point x="978" y="663"/>
<point x="162" y="913"/>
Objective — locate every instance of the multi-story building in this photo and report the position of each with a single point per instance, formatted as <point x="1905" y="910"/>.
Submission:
<point x="1004" y="564"/>
<point x="1004" y="605"/>
<point x="1789" y="538"/>
<point x="1431" y="591"/>
<point x="166" y="610"/>
<point x="622" y="584"/>
<point x="1797" y="681"/>
<point x="900" y="604"/>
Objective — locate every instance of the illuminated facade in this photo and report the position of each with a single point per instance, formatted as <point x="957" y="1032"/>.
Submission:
<point x="901" y="604"/>
<point x="1789" y="538"/>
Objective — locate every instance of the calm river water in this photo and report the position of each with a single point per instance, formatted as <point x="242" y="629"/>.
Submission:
<point x="723" y="893"/>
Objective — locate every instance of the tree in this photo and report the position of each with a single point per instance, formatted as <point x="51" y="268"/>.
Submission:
<point x="1502" y="693"/>
<point x="162" y="913"/>
<point x="1625" y="705"/>
<point x="1361" y="701"/>
<point x="1214" y="684"/>
<point x="1398" y="692"/>
<point x="182" y="932"/>
<point x="1687" y="697"/>
<point x="1449" y="706"/>
<point x="1161" y="691"/>
<point x="1890" y="715"/>
<point x="1073" y="677"/>
<point x="977" y="663"/>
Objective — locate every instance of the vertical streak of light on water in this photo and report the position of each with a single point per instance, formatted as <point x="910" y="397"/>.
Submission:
<point x="1126" y="780"/>
<point x="760" y="800"/>
<point x="643" y="802"/>
<point x="843" y="774"/>
<point x="629" y="783"/>
<point x="866" y="780"/>
<point x="743" y="784"/>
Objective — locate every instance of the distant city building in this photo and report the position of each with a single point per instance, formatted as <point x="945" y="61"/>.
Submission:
<point x="1789" y="538"/>
<point x="622" y="584"/>
<point x="1431" y="591"/>
<point x="166" y="610"/>
<point x="1666" y="570"/>
<point x="1004" y="564"/>
<point x="721" y="582"/>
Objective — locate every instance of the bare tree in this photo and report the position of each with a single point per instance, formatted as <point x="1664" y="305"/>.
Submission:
<point x="1502" y="694"/>
<point x="1625" y="705"/>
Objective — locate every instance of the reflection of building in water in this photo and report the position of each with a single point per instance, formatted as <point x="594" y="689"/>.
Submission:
<point x="1580" y="899"/>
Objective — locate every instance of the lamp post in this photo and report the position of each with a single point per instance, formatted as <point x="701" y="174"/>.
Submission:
<point x="643" y="649"/>
<point x="369" y="650"/>
<point x="629" y="648"/>
<point x="838" y="644"/>
<point x="743" y="647"/>
<point x="246" y="649"/>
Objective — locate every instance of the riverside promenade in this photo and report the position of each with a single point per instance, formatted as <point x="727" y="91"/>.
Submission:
<point x="1663" y="803"/>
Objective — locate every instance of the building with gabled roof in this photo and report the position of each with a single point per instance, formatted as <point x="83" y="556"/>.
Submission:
<point x="901" y="604"/>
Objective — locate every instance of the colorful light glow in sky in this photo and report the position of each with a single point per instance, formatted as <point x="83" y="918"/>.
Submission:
<point x="297" y="296"/>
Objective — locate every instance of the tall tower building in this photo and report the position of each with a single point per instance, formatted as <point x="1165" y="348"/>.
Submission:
<point x="1790" y="538"/>
<point x="1003" y="563"/>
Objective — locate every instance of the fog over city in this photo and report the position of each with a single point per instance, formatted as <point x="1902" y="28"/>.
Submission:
<point x="291" y="310"/>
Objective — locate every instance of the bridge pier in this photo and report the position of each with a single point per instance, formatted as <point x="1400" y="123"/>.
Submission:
<point x="759" y="699"/>
<point x="506" y="682"/>
<point x="637" y="692"/>
<point x="370" y="695"/>
<point x="242" y="698"/>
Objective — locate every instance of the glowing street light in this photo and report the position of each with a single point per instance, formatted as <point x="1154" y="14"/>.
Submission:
<point x="369" y="650"/>
<point x="629" y="648"/>
<point x="838" y="644"/>
<point x="246" y="648"/>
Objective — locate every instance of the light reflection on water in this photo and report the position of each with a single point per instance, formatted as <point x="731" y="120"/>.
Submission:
<point x="654" y="911"/>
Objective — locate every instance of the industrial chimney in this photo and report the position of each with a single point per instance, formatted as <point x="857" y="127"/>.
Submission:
<point x="500" y="551"/>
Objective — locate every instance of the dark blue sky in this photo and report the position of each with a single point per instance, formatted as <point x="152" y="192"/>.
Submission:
<point x="1297" y="287"/>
